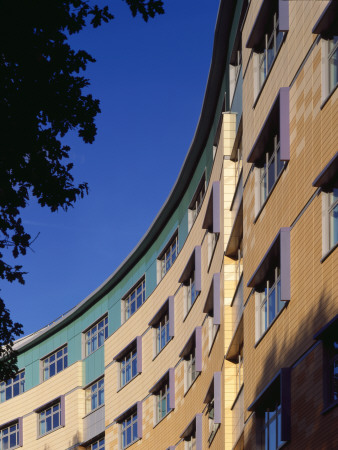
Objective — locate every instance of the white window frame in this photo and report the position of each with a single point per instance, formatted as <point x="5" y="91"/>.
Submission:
<point x="163" y="394"/>
<point x="138" y="291"/>
<point x="6" y="433"/>
<point x="190" y="369"/>
<point x="98" y="445"/>
<point x="162" y="328"/>
<point x="329" y="204"/>
<point x="262" y="65"/>
<point x="124" y="425"/>
<point x="190" y="292"/>
<point x="196" y="204"/>
<point x="213" y="427"/>
<point x="51" y="360"/>
<point x="10" y="386"/>
<point x="262" y="304"/>
<point x="329" y="49"/>
<point x="212" y="241"/>
<point x="47" y="412"/>
<point x="167" y="257"/>
<point x="94" y="391"/>
<point x="93" y="335"/>
<point x="128" y="362"/>
<point x="271" y="420"/>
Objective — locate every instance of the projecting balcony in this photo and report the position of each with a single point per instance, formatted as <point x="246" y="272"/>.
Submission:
<point x="237" y="221"/>
<point x="237" y="305"/>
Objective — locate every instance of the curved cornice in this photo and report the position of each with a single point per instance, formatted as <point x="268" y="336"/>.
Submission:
<point x="205" y="122"/>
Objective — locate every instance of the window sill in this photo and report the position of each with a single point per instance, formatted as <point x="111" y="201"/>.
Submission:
<point x="93" y="411"/>
<point x="163" y="348"/>
<point x="187" y="314"/>
<point x="129" y="445"/>
<point x="330" y="407"/>
<point x="327" y="98"/>
<point x="51" y="431"/>
<point x="270" y="193"/>
<point x="186" y="392"/>
<point x="162" y="418"/>
<point x="271" y="324"/>
<point x="270" y="70"/>
<point x="327" y="254"/>
<point x="120" y="388"/>
<point x="237" y="397"/>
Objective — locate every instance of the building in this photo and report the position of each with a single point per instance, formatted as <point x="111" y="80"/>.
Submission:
<point x="220" y="329"/>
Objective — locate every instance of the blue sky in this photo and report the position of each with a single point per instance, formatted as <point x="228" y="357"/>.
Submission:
<point x="150" y="79"/>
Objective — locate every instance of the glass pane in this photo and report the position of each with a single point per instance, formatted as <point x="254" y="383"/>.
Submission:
<point x="134" y="367"/>
<point x="101" y="337"/>
<point x="56" y="420"/>
<point x="52" y="370"/>
<point x="101" y="397"/>
<point x="333" y="64"/>
<point x="12" y="440"/>
<point x="94" y="343"/>
<point x="128" y="435"/>
<point x="59" y="353"/>
<point x="271" y="174"/>
<point x="132" y="308"/>
<point x="48" y="423"/>
<point x="59" y="365"/>
<point x="128" y="372"/>
<point x="135" y="430"/>
<point x="52" y="358"/>
<point x="42" y="427"/>
<point x="263" y="186"/>
<point x="333" y="226"/>
<point x="272" y="434"/>
<point x="16" y="390"/>
<point x="279" y="39"/>
<point x="65" y="361"/>
<point x="272" y="304"/>
<point x="139" y="300"/>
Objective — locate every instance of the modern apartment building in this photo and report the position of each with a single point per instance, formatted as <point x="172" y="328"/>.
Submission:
<point x="220" y="329"/>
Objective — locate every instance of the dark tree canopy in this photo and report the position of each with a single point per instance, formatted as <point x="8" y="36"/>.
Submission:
<point x="41" y="99"/>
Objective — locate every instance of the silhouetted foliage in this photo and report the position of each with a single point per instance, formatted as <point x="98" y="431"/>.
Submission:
<point x="41" y="99"/>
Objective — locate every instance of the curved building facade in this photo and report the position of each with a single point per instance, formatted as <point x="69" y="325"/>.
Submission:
<point x="219" y="330"/>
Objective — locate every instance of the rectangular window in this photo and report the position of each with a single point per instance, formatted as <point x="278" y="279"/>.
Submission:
<point x="190" y="442"/>
<point x="268" y="48"/>
<point x="129" y="430"/>
<point x="12" y="387"/>
<point x="128" y="366"/>
<point x="55" y="363"/>
<point x="190" y="368"/>
<point x="134" y="299"/>
<point x="191" y="293"/>
<point x="10" y="437"/>
<point x="95" y="396"/>
<point x="168" y="256"/>
<point x="271" y="429"/>
<point x="162" y="402"/>
<point x="271" y="167"/>
<point x="332" y="62"/>
<point x="50" y="419"/>
<point x="333" y="217"/>
<point x="212" y="425"/>
<point x="162" y="333"/>
<point x="96" y="335"/>
<point x="98" y="445"/>
<point x="196" y="202"/>
<point x="270" y="300"/>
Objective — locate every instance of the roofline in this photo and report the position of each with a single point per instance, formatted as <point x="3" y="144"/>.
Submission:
<point x="205" y="121"/>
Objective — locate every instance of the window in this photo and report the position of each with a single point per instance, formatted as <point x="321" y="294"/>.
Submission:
<point x="326" y="26"/>
<point x="98" y="445"/>
<point x="192" y="435"/>
<point x="266" y="37"/>
<point x="164" y="394"/>
<point x="50" y="419"/>
<point x="271" y="281"/>
<point x="55" y="363"/>
<point x="213" y="308"/>
<point x="329" y="336"/>
<point x="239" y="370"/>
<point x="270" y="300"/>
<point x="95" y="396"/>
<point x="268" y="48"/>
<point x="270" y="168"/>
<point x="12" y="387"/>
<point x="133" y="300"/>
<point x="333" y="217"/>
<point x="163" y="324"/>
<point x="191" y="279"/>
<point x="128" y="367"/>
<point x="192" y="355"/>
<point x="96" y="335"/>
<point x="196" y="202"/>
<point x="10" y="436"/>
<point x="272" y="408"/>
<point x="213" y="401"/>
<point x="327" y="180"/>
<point x="130" y="361"/>
<point x="130" y="423"/>
<point x="168" y="256"/>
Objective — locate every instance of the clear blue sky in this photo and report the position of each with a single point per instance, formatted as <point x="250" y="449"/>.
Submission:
<point x="150" y="79"/>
